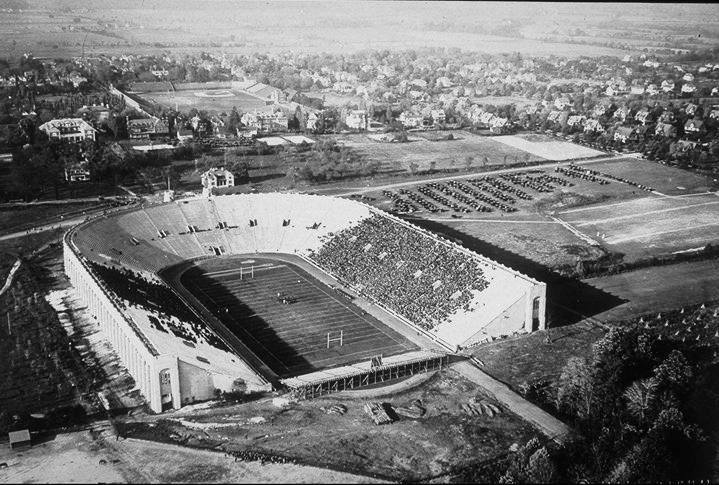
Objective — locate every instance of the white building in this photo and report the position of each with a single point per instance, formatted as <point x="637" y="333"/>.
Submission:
<point x="265" y="122"/>
<point x="357" y="119"/>
<point x="410" y="120"/>
<point x="216" y="178"/>
<point x="73" y="130"/>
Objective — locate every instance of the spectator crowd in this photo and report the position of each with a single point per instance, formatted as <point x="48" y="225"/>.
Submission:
<point x="415" y="275"/>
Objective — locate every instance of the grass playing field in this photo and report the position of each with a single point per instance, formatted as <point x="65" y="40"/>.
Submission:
<point x="290" y="338"/>
<point x="445" y="154"/>
<point x="212" y="101"/>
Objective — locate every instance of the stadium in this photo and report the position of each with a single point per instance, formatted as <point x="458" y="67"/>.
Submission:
<point x="309" y="293"/>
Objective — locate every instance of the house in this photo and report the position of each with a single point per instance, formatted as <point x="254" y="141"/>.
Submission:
<point x="667" y="117"/>
<point x="667" y="85"/>
<point x="621" y="113"/>
<point x="357" y="119"/>
<point x="686" y="145"/>
<point x="265" y="122"/>
<point x="420" y="83"/>
<point x="652" y="90"/>
<point x="624" y="133"/>
<point x="145" y="128"/>
<point x="594" y="126"/>
<point x="575" y="120"/>
<point x="443" y="82"/>
<point x="714" y="114"/>
<point x="690" y="109"/>
<point x="643" y="116"/>
<point x="637" y="90"/>
<point x="562" y="102"/>
<point x="689" y="77"/>
<point x="498" y="125"/>
<point x="486" y="118"/>
<point x="216" y="178"/>
<point x="312" y="121"/>
<point x="410" y="120"/>
<point x="599" y="110"/>
<point x="693" y="126"/>
<point x="77" y="172"/>
<point x="665" y="130"/>
<point x="73" y="130"/>
<point x="554" y="115"/>
<point x="715" y="91"/>
<point x="688" y="88"/>
<point x="438" y="116"/>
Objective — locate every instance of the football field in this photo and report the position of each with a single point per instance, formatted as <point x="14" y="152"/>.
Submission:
<point x="290" y="337"/>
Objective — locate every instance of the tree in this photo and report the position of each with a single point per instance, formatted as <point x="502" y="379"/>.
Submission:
<point x="575" y="388"/>
<point x="541" y="468"/>
<point x="639" y="398"/>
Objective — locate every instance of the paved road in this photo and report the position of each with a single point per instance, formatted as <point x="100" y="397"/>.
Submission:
<point x="545" y="422"/>
<point x="43" y="228"/>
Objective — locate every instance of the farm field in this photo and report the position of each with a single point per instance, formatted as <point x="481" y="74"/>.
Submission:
<point x="213" y="101"/>
<point x="290" y="338"/>
<point x="446" y="154"/>
<point x="547" y="147"/>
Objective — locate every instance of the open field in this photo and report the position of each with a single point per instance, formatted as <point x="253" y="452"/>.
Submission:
<point x="546" y="147"/>
<point x="651" y="225"/>
<point x="144" y="28"/>
<point x="289" y="338"/>
<point x="662" y="178"/>
<point x="446" y="154"/>
<point x="443" y="441"/>
<point x="660" y="288"/>
<point x="213" y="101"/>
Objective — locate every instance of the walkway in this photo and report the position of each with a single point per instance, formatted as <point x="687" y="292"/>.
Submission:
<point x="542" y="420"/>
<point x="10" y="276"/>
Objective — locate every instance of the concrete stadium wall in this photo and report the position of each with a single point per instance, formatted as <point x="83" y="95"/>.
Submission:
<point x="137" y="355"/>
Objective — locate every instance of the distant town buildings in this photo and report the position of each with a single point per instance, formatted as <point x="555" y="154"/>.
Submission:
<point x="265" y="122"/>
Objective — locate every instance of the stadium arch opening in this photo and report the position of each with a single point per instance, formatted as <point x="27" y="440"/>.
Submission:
<point x="123" y="266"/>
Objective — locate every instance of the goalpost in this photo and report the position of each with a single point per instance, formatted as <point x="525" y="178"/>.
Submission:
<point x="339" y="339"/>
<point x="243" y="272"/>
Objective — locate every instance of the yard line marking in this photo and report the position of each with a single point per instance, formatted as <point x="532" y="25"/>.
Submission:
<point x="658" y="233"/>
<point x="642" y="214"/>
<point x="576" y="232"/>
